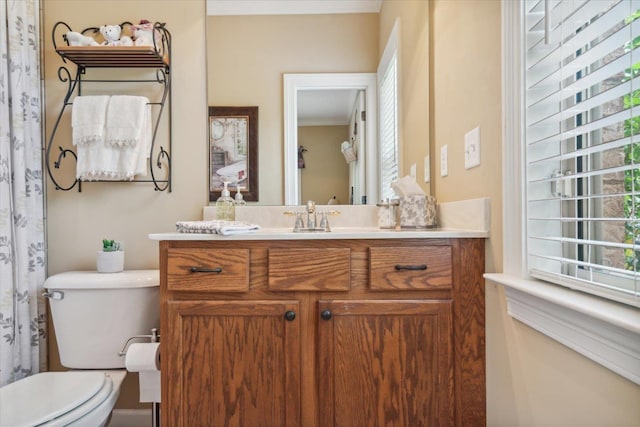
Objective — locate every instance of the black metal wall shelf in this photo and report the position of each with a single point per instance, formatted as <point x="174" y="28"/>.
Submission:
<point x="143" y="57"/>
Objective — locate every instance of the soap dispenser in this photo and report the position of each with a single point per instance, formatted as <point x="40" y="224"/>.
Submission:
<point x="225" y="208"/>
<point x="239" y="200"/>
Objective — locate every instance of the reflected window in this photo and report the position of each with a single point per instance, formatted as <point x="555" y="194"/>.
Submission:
<point x="388" y="117"/>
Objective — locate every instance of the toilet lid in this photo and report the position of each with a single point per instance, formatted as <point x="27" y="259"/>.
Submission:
<point x="42" y="397"/>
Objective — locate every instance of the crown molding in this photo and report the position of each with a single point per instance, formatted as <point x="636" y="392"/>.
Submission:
<point x="291" y="7"/>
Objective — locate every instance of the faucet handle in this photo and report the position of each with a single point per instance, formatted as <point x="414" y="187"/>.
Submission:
<point x="299" y="224"/>
<point x="324" y="224"/>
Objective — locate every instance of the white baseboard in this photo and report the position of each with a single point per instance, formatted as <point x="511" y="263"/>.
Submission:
<point x="130" y="418"/>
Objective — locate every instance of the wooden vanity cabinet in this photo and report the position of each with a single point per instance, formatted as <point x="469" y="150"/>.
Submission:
<point x="232" y="363"/>
<point x="385" y="332"/>
<point x="385" y="363"/>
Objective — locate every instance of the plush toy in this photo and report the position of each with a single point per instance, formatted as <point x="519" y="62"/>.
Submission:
<point x="77" y="39"/>
<point x="143" y="34"/>
<point x="111" y="34"/>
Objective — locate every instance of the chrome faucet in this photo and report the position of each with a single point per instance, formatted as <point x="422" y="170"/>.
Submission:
<point x="312" y="219"/>
<point x="311" y="214"/>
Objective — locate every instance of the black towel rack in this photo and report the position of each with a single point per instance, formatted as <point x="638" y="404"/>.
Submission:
<point x="156" y="57"/>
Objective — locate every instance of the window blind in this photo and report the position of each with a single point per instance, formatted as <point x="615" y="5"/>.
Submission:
<point x="582" y="77"/>
<point x="388" y="117"/>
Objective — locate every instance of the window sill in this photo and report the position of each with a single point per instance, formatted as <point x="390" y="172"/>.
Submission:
<point x="605" y="332"/>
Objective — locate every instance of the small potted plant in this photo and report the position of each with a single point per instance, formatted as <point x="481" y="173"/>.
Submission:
<point x="111" y="258"/>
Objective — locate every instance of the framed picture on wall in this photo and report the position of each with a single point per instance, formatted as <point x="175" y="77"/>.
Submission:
<point x="233" y="151"/>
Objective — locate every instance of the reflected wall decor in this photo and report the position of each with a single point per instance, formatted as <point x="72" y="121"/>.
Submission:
<point x="233" y="151"/>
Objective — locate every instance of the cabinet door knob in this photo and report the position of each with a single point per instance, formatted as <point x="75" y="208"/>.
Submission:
<point x="290" y="315"/>
<point x="326" y="315"/>
<point x="205" y="270"/>
<point x="411" y="267"/>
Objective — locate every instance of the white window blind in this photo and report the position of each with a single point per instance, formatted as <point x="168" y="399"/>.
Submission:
<point x="583" y="144"/>
<point x="388" y="130"/>
<point x="388" y="115"/>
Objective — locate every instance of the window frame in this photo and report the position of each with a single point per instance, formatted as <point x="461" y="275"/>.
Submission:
<point x="602" y="330"/>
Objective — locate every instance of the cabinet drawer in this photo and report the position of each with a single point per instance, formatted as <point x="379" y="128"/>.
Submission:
<point x="423" y="267"/>
<point x="214" y="270"/>
<point x="317" y="269"/>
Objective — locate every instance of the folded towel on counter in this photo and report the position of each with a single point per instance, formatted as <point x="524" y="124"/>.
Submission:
<point x="88" y="115"/>
<point x="204" y="227"/>
<point x="221" y="227"/>
<point x="126" y="122"/>
<point x="235" y="227"/>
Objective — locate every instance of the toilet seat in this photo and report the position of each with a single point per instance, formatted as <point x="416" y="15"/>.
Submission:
<point x="55" y="399"/>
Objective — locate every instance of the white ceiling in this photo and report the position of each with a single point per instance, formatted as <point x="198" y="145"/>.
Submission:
<point x="325" y="107"/>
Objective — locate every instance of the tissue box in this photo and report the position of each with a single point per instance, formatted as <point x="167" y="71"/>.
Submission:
<point x="418" y="211"/>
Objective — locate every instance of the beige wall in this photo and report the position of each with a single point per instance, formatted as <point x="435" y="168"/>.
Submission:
<point x="413" y="67"/>
<point x="531" y="379"/>
<point x="76" y="222"/>
<point x="248" y="56"/>
<point x="326" y="173"/>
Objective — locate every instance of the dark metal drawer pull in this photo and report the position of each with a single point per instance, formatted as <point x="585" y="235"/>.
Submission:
<point x="411" y="267"/>
<point x="206" y="270"/>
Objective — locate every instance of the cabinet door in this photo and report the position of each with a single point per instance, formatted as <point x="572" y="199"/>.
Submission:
<point x="385" y="363"/>
<point x="231" y="363"/>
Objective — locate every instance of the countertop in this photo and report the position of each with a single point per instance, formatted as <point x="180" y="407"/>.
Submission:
<point x="338" y="233"/>
<point x="463" y="219"/>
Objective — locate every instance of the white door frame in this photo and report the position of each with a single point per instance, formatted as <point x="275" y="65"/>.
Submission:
<point x="297" y="82"/>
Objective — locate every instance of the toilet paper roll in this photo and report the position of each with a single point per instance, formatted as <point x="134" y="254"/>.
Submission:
<point x="149" y="386"/>
<point x="143" y="357"/>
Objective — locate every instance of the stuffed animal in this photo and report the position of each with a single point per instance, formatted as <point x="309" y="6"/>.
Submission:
<point x="77" y="39"/>
<point x="111" y="34"/>
<point x="143" y="34"/>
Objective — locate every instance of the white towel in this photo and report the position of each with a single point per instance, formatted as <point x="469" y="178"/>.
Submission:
<point x="114" y="162"/>
<point x="88" y="115"/>
<point x="134" y="158"/>
<point x="145" y="142"/>
<point x="235" y="227"/>
<point x="221" y="227"/>
<point x="106" y="162"/>
<point x="126" y="117"/>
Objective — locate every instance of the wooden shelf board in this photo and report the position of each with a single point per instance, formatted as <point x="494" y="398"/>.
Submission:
<point x="112" y="56"/>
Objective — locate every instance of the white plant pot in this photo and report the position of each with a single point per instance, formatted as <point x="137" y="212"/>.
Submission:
<point x="110" y="262"/>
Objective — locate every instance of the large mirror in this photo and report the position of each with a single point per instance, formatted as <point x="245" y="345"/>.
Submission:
<point x="249" y="55"/>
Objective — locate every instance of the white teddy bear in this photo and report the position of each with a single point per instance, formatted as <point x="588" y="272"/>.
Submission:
<point x="78" y="39"/>
<point x="111" y="34"/>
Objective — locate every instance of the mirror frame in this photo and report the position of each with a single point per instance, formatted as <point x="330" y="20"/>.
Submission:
<point x="293" y="83"/>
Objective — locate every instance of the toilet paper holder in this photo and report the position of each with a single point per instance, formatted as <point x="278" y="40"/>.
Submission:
<point x="153" y="337"/>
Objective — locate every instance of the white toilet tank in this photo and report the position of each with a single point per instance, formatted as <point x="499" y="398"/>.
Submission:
<point x="95" y="313"/>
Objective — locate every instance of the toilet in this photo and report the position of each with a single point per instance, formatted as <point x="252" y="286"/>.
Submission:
<point x="93" y="314"/>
